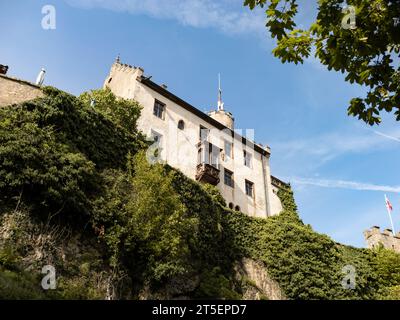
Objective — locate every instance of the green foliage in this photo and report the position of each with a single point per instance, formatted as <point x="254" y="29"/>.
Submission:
<point x="391" y="293"/>
<point x="18" y="285"/>
<point x="210" y="236"/>
<point x="8" y="257"/>
<point x="80" y="287"/>
<point x="298" y="258"/>
<point x="388" y="266"/>
<point x="51" y="149"/>
<point x="388" y="271"/>
<point x="150" y="223"/>
<point x="159" y="227"/>
<point x="215" y="285"/>
<point x="368" y="52"/>
<point x="101" y="140"/>
<point x="122" y="112"/>
<point x="34" y="164"/>
<point x="215" y="194"/>
<point x="366" y="281"/>
<point x="158" y="224"/>
<point x="146" y="225"/>
<point x="307" y="265"/>
<point x="286" y="197"/>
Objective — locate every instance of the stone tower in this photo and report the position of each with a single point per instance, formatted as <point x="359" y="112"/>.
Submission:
<point x="223" y="117"/>
<point x="122" y="78"/>
<point x="375" y="237"/>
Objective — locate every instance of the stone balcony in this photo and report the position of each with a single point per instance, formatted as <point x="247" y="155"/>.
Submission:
<point x="207" y="173"/>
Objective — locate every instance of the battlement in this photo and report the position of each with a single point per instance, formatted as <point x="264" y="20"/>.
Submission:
<point x="125" y="68"/>
<point x="374" y="238"/>
<point x="122" y="79"/>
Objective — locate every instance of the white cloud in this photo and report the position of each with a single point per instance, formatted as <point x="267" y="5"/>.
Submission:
<point x="227" y="16"/>
<point x="387" y="136"/>
<point x="352" y="185"/>
<point x="328" y="146"/>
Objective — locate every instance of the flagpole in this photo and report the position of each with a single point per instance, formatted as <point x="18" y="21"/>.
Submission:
<point x="390" y="216"/>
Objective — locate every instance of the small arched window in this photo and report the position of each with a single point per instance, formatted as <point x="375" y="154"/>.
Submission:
<point x="109" y="80"/>
<point x="237" y="208"/>
<point x="230" y="205"/>
<point x="181" y="125"/>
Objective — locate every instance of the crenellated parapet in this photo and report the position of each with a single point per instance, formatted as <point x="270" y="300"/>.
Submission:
<point x="122" y="79"/>
<point x="125" y="68"/>
<point x="374" y="238"/>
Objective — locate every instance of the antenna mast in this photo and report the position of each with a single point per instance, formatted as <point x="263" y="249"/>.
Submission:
<point x="220" y="103"/>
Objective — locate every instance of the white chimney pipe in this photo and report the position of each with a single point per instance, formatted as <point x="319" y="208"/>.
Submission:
<point x="40" y="77"/>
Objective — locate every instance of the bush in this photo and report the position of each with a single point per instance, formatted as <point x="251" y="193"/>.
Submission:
<point x="215" y="285"/>
<point x="59" y="156"/>
<point x="146" y="225"/>
<point x="18" y="285"/>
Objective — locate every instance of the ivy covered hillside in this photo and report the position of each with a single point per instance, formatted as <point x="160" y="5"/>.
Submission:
<point x="77" y="193"/>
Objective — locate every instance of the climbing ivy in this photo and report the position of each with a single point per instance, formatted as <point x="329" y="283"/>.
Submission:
<point x="61" y="157"/>
<point x="286" y="196"/>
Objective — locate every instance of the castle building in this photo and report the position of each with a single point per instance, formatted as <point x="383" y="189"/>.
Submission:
<point x="205" y="147"/>
<point x="375" y="238"/>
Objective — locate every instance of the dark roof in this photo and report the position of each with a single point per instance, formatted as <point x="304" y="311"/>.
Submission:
<point x="164" y="92"/>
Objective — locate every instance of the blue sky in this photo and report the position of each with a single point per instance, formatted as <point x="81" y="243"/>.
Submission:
<point x="339" y="167"/>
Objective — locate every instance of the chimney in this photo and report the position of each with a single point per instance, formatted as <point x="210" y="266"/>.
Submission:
<point x="40" y="77"/>
<point x="3" y="69"/>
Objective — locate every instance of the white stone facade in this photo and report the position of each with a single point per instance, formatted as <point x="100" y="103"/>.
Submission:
<point x="178" y="126"/>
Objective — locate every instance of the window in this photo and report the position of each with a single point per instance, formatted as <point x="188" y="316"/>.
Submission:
<point x="181" y="125"/>
<point x="250" y="188"/>
<point x="230" y="205"/>
<point x="203" y="133"/>
<point x="228" y="178"/>
<point x="157" y="137"/>
<point x="214" y="156"/>
<point x="237" y="208"/>
<point x="247" y="159"/>
<point x="200" y="156"/>
<point x="159" y="109"/>
<point x="209" y="154"/>
<point x="228" y="149"/>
